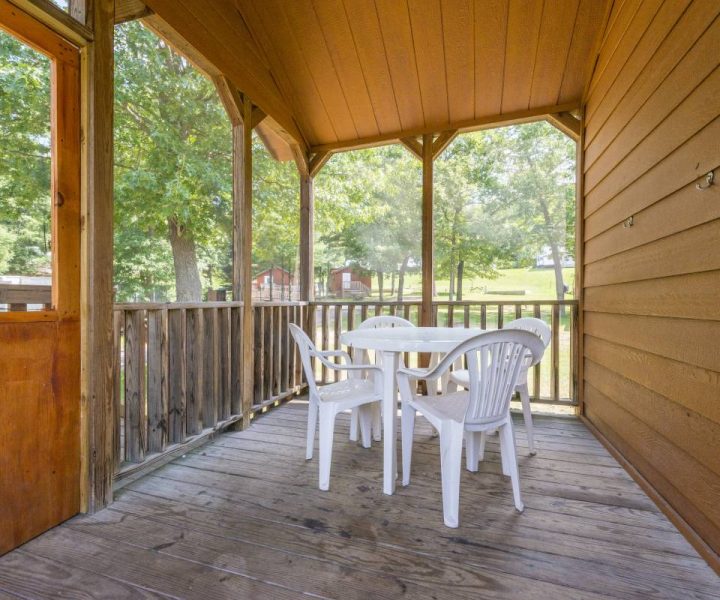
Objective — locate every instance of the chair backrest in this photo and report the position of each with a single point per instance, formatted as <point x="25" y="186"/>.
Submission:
<point x="494" y="359"/>
<point x="537" y="326"/>
<point x="307" y="348"/>
<point x="384" y="321"/>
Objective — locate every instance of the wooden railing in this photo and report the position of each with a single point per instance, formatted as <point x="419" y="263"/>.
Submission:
<point x="178" y="367"/>
<point x="16" y="297"/>
<point x="554" y="380"/>
<point x="178" y="370"/>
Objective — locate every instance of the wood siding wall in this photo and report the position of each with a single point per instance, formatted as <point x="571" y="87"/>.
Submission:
<point x="652" y="288"/>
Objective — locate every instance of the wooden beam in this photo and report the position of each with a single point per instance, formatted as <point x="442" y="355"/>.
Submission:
<point x="257" y="117"/>
<point x="317" y="162"/>
<point x="130" y="10"/>
<point x="231" y="99"/>
<point x="513" y="118"/>
<point x="443" y="141"/>
<point x="97" y="295"/>
<point x="307" y="232"/>
<point x="426" y="311"/>
<point x="567" y="123"/>
<point x="414" y="146"/>
<point x="58" y="20"/>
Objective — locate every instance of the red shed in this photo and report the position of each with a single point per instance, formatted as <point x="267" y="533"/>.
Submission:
<point x="279" y="277"/>
<point x="350" y="281"/>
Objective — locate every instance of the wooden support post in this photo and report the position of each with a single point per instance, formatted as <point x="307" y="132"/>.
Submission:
<point x="307" y="230"/>
<point x="426" y="313"/>
<point x="98" y="408"/>
<point x="579" y="385"/>
<point x="242" y="166"/>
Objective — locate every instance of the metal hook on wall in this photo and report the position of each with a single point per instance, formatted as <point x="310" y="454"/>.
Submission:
<point x="709" y="180"/>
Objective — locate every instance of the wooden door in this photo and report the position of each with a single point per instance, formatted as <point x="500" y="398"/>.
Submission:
<point x="40" y="350"/>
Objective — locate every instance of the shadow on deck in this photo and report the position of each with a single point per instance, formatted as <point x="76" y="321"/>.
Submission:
<point x="242" y="518"/>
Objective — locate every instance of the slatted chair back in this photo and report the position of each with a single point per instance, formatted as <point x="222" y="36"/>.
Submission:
<point x="307" y="349"/>
<point x="384" y="321"/>
<point x="494" y="360"/>
<point x="537" y="326"/>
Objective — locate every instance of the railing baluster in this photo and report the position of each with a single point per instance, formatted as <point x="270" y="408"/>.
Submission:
<point x="278" y="349"/>
<point x="224" y="369"/>
<point x="363" y="313"/>
<point x="157" y="407"/>
<point x="483" y="316"/>
<point x="536" y="368"/>
<point x="194" y="374"/>
<point x="209" y="417"/>
<point x="466" y="315"/>
<point x="118" y="367"/>
<point x="134" y="385"/>
<point x="450" y="318"/>
<point x="325" y="338"/>
<point x="500" y="316"/>
<point x="285" y="354"/>
<point x="269" y="367"/>
<point x="555" y="354"/>
<point x="236" y="359"/>
<point x="259" y="367"/>
<point x="336" y="336"/>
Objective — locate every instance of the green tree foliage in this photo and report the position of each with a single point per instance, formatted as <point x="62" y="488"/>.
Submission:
<point x="368" y="212"/>
<point x="537" y="189"/>
<point x="24" y="159"/>
<point x="173" y="181"/>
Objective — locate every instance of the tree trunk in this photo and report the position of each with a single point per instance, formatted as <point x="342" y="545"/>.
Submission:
<point x="380" y="285"/>
<point x="460" y="269"/>
<point x="451" y="286"/>
<point x="187" y="277"/>
<point x="392" y="284"/>
<point x="401" y="278"/>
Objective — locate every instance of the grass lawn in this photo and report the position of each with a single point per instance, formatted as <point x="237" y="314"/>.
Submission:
<point x="538" y="284"/>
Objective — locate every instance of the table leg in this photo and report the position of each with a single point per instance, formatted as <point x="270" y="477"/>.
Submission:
<point x="390" y="365"/>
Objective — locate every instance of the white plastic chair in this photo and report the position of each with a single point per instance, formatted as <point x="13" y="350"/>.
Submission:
<point x="542" y="330"/>
<point x="362" y="357"/>
<point x="331" y="399"/>
<point x="494" y="360"/>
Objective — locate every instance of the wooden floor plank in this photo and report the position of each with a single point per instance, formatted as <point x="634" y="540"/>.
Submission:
<point x="23" y="575"/>
<point x="242" y="518"/>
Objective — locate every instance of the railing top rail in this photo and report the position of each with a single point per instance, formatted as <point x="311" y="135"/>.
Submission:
<point x="196" y="305"/>
<point x="444" y="302"/>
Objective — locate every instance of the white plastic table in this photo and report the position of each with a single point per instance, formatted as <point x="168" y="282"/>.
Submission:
<point x="390" y="342"/>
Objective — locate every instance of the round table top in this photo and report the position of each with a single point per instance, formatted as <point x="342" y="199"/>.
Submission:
<point x="408" y="339"/>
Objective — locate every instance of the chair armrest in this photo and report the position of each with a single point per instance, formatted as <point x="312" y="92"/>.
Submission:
<point x="414" y="374"/>
<point x="322" y="357"/>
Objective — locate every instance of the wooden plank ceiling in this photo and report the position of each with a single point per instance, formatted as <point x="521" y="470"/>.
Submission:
<point x="343" y="73"/>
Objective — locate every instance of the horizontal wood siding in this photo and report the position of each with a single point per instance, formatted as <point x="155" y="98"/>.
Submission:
<point x="651" y="365"/>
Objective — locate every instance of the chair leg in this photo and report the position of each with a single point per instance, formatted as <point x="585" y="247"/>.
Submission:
<point x="354" y="421"/>
<point x="408" y="430"/>
<point x="327" y="427"/>
<point x="377" y="421"/>
<point x="451" y="438"/>
<point x="504" y="458"/>
<point x="527" y="416"/>
<point x="312" y="423"/>
<point x="507" y="449"/>
<point x="365" y="413"/>
<point x="474" y="446"/>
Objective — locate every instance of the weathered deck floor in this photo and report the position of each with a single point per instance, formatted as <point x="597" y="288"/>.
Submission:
<point x="242" y="518"/>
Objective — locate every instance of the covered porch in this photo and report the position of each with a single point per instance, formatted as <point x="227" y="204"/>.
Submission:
<point x="242" y="517"/>
<point x="188" y="419"/>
